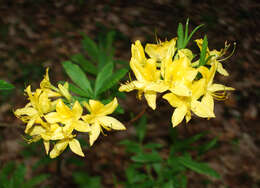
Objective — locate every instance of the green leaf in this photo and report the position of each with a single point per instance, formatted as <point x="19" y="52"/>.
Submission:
<point x="113" y="80"/>
<point x="5" y="172"/>
<point x="207" y="146"/>
<point x="198" y="167"/>
<point x="131" y="146"/>
<point x="5" y="86"/>
<point x="186" y="31"/>
<point x="192" y="33"/>
<point x="86" y="181"/>
<point x="147" y="157"/>
<point x="74" y="89"/>
<point x="78" y="77"/>
<point x="109" y="42"/>
<point x="180" y="36"/>
<point x="141" y="128"/>
<point x="35" y="181"/>
<point x="182" y="144"/>
<point x="91" y="47"/>
<point x="203" y="51"/>
<point x="86" y="65"/>
<point x="102" y="76"/>
<point x="152" y="145"/>
<point x="133" y="176"/>
<point x="18" y="175"/>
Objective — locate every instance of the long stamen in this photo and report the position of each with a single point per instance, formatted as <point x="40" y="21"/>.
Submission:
<point x="230" y="53"/>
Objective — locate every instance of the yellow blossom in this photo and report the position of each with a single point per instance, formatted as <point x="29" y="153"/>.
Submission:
<point x="69" y="117"/>
<point x="211" y="90"/>
<point x="178" y="74"/>
<point x="215" y="55"/>
<point x="159" y="51"/>
<point x="98" y="118"/>
<point x="148" y="77"/>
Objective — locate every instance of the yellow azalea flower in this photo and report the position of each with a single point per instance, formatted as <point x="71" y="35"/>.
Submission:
<point x="39" y="105"/>
<point x="178" y="74"/>
<point x="64" y="90"/>
<point x="211" y="90"/>
<point x="69" y="117"/>
<point x="47" y="87"/>
<point x="98" y="118"/>
<point x="148" y="77"/>
<point x="184" y="106"/>
<point x="215" y="56"/>
<point x="61" y="145"/>
<point x="158" y="52"/>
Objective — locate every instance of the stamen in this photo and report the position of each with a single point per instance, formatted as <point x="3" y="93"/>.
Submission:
<point x="234" y="44"/>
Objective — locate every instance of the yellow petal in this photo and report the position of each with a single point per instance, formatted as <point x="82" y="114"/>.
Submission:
<point x="95" y="106"/>
<point x="178" y="115"/>
<point x="150" y="97"/>
<point x="45" y="83"/>
<point x="58" y="148"/>
<point x="36" y="130"/>
<point x="158" y="86"/>
<point x="174" y="100"/>
<point x="53" y="117"/>
<point x="198" y="88"/>
<point x="137" y="69"/>
<point x="77" y="110"/>
<point x="180" y="89"/>
<point x="109" y="108"/>
<point x="63" y="110"/>
<point x="208" y="101"/>
<point x="64" y="90"/>
<point x="75" y="147"/>
<point x="111" y="122"/>
<point x="201" y="109"/>
<point x="30" y="124"/>
<point x="82" y="126"/>
<point x="94" y="133"/>
<point x="29" y="111"/>
<point x="46" y="146"/>
<point x="44" y="103"/>
<point x="221" y="70"/>
<point x="219" y="87"/>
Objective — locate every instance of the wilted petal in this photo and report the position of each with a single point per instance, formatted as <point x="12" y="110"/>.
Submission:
<point x="75" y="147"/>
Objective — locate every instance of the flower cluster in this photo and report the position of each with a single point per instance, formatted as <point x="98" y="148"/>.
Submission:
<point x="55" y="117"/>
<point x="185" y="83"/>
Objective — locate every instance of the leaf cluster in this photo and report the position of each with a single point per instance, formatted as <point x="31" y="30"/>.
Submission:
<point x="150" y="169"/>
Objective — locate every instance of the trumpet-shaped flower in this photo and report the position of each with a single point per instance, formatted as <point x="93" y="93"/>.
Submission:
<point x="148" y="77"/>
<point x="185" y="104"/>
<point x="69" y="117"/>
<point x="61" y="145"/>
<point x="33" y="112"/>
<point x="158" y="52"/>
<point x="178" y="74"/>
<point x="98" y="118"/>
<point x="211" y="90"/>
<point x="215" y="55"/>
